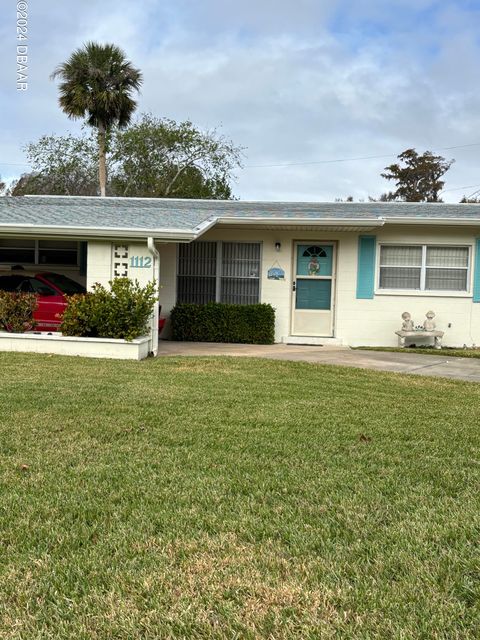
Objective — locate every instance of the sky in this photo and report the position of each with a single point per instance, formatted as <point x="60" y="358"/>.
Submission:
<point x="300" y="84"/>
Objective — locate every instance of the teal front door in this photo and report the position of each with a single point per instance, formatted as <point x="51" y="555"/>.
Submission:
<point x="313" y="289"/>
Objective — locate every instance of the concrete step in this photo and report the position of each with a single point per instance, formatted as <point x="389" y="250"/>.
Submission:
<point x="313" y="340"/>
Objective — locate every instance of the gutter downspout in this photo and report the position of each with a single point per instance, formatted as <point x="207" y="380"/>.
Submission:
<point x="156" y="277"/>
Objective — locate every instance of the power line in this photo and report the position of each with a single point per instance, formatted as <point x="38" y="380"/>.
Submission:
<point x="313" y="162"/>
<point x="390" y="155"/>
<point x="474" y="194"/>
<point x="14" y="164"/>
<point x="468" y="186"/>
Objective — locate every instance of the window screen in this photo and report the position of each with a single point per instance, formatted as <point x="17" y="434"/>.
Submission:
<point x="224" y="272"/>
<point x="240" y="273"/>
<point x="25" y="252"/>
<point x="57" y="252"/>
<point x="401" y="256"/>
<point x="399" y="278"/>
<point x="426" y="268"/>
<point x="16" y="250"/>
<point x="446" y="268"/>
<point x="400" y="267"/>
<point x="197" y="265"/>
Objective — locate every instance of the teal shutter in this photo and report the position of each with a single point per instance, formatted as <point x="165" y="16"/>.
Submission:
<point x="366" y="267"/>
<point x="476" y="272"/>
<point x="82" y="258"/>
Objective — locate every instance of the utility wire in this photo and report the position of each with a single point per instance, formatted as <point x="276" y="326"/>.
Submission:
<point x="312" y="162"/>
<point x="390" y="155"/>
<point x="474" y="194"/>
<point x="14" y="164"/>
<point x="468" y="186"/>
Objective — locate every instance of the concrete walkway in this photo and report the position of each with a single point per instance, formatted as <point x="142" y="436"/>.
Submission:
<point x="416" y="363"/>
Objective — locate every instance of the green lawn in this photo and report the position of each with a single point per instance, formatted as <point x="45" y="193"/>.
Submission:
<point x="236" y="498"/>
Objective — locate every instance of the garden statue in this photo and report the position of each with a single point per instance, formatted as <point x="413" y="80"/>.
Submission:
<point x="407" y="324"/>
<point x="429" y="324"/>
<point x="428" y="330"/>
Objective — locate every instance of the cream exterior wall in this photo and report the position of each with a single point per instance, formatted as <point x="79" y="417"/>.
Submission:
<point x="373" y="322"/>
<point x="168" y="281"/>
<point x="99" y="263"/>
<point x="100" y="267"/>
<point x="356" y="322"/>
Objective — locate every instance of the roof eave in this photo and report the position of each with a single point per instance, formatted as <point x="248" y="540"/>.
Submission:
<point x="170" y="235"/>
<point x="467" y="222"/>
<point x="321" y="222"/>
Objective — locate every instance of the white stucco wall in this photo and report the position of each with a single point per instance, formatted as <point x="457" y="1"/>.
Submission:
<point x="106" y="260"/>
<point x="357" y="322"/>
<point x="373" y="322"/>
<point x="168" y="280"/>
<point x="99" y="263"/>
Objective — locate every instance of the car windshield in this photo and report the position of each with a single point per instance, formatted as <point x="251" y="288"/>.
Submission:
<point x="66" y="285"/>
<point x="32" y="285"/>
<point x="10" y="283"/>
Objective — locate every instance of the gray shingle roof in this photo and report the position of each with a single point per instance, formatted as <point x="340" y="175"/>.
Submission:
<point x="111" y="213"/>
<point x="63" y="212"/>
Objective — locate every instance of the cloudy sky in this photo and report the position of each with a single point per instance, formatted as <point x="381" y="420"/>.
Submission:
<point x="296" y="82"/>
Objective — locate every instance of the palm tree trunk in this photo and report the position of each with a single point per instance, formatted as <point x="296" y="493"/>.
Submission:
<point x="102" y="163"/>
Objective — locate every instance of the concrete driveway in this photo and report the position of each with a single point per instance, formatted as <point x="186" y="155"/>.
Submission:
<point x="413" y="363"/>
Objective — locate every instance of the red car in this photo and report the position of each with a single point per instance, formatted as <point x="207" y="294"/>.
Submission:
<point x="51" y="288"/>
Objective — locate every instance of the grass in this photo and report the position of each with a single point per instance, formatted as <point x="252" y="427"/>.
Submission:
<point x="236" y="498"/>
<point x="429" y="351"/>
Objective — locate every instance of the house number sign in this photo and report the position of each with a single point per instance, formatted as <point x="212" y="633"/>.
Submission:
<point x="140" y="262"/>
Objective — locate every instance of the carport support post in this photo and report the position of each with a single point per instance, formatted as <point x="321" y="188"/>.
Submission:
<point x="156" y="278"/>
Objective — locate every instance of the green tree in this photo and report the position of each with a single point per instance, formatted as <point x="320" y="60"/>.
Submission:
<point x="150" y="158"/>
<point x="97" y="83"/>
<point x="63" y="165"/>
<point x="158" y="157"/>
<point x="417" y="177"/>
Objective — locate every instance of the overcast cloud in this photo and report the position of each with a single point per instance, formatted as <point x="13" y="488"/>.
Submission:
<point x="292" y="81"/>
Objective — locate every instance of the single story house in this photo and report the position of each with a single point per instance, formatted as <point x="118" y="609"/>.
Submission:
<point x="340" y="273"/>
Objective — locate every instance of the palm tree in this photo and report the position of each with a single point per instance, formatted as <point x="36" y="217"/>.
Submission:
<point x="97" y="83"/>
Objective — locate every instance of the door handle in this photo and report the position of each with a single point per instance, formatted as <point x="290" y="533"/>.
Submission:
<point x="294" y="288"/>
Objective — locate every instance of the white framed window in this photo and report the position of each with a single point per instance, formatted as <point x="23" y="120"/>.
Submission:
<point x="62" y="252"/>
<point x="424" y="267"/>
<point x="17" y="250"/>
<point x="39" y="252"/>
<point x="219" y="272"/>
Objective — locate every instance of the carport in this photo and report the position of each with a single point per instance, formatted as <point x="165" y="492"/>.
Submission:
<point x="92" y="240"/>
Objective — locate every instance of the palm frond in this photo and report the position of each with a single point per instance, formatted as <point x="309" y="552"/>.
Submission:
<point x="97" y="83"/>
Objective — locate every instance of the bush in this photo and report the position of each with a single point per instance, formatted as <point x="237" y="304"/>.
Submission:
<point x="216" y="322"/>
<point x="16" y="311"/>
<point x="123" y="312"/>
<point x="78" y="317"/>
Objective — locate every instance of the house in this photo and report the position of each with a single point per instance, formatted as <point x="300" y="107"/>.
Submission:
<point x="335" y="272"/>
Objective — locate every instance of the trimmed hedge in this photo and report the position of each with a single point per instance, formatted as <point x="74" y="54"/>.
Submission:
<point x="217" y="322"/>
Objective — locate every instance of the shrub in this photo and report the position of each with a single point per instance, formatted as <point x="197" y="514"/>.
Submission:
<point x="78" y="317"/>
<point x="16" y="311"/>
<point x="123" y="311"/>
<point x="216" y="322"/>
